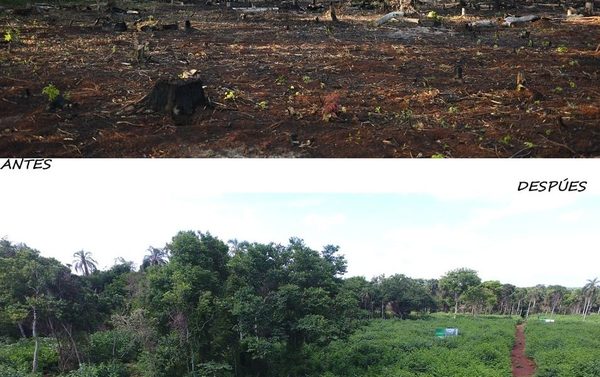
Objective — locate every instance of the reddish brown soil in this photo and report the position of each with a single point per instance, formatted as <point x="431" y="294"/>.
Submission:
<point x="522" y="366"/>
<point x="391" y="90"/>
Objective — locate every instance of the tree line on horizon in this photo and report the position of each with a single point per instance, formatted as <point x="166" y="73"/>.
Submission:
<point x="203" y="307"/>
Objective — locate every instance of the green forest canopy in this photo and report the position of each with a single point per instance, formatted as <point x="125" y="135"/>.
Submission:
<point x="203" y="307"/>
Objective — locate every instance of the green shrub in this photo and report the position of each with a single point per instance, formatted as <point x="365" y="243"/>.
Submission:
<point x="113" y="345"/>
<point x="6" y="371"/>
<point x="100" y="370"/>
<point x="19" y="355"/>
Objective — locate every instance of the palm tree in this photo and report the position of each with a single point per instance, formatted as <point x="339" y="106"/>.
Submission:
<point x="84" y="262"/>
<point x="155" y="257"/>
<point x="589" y="293"/>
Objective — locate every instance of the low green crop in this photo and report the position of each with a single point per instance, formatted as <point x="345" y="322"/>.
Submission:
<point x="396" y="348"/>
<point x="569" y="347"/>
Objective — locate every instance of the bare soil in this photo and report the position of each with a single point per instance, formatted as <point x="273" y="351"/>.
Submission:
<point x="284" y="85"/>
<point x="522" y="366"/>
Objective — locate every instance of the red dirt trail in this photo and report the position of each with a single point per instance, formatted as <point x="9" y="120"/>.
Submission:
<point x="522" y="366"/>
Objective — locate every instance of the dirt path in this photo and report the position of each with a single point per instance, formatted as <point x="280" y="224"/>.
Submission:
<point x="522" y="366"/>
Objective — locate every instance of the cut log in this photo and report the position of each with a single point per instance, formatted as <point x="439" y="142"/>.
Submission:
<point x="120" y="26"/>
<point x="178" y="98"/>
<point x="589" y="8"/>
<point x="388" y="17"/>
<point x="508" y="21"/>
<point x="332" y="13"/>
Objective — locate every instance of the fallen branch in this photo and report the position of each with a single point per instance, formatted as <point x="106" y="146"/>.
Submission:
<point x="482" y="24"/>
<point x="388" y="17"/>
<point x="256" y="10"/>
<point x="508" y="21"/>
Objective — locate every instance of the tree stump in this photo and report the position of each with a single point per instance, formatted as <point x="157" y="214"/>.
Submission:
<point x="178" y="98"/>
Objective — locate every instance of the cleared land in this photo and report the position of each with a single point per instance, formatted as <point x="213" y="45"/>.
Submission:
<point x="284" y="85"/>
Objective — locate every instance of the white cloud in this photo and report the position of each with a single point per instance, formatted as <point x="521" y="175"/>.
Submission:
<point x="324" y="221"/>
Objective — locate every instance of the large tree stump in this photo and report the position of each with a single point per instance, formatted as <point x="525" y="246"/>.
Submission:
<point x="179" y="98"/>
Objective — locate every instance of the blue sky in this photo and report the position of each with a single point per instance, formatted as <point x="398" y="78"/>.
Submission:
<point x="424" y="227"/>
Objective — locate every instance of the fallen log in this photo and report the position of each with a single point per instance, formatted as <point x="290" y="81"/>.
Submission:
<point x="410" y="20"/>
<point x="481" y="24"/>
<point x="256" y="10"/>
<point x="510" y="20"/>
<point x="388" y="17"/>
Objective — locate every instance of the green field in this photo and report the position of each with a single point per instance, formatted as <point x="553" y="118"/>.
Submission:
<point x="569" y="347"/>
<point x="395" y="348"/>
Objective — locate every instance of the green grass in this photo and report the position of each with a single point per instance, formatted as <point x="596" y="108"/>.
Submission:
<point x="569" y="347"/>
<point x="395" y="348"/>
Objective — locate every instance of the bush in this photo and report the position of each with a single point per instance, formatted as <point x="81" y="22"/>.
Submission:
<point x="100" y="370"/>
<point x="19" y="355"/>
<point x="6" y="371"/>
<point x="113" y="345"/>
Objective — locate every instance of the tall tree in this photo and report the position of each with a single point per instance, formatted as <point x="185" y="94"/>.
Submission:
<point x="155" y="257"/>
<point x="406" y="295"/>
<point x="589" y="292"/>
<point x="84" y="262"/>
<point x="456" y="282"/>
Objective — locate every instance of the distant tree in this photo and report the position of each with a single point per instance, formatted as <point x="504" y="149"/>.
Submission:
<point x="506" y="299"/>
<point x="155" y="257"/>
<point x="405" y="295"/>
<point x="534" y="296"/>
<point x="495" y="288"/>
<point x="479" y="297"/>
<point x="84" y="262"/>
<point x="589" y="293"/>
<point x="553" y="297"/>
<point x="456" y="282"/>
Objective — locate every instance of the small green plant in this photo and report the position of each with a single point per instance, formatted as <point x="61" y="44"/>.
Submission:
<point x="529" y="144"/>
<point x="404" y="116"/>
<point x="506" y="139"/>
<point x="561" y="49"/>
<point x="438" y="155"/>
<point x="378" y="109"/>
<point x="573" y="62"/>
<point x="229" y="95"/>
<point x="51" y="91"/>
<point x="572" y="85"/>
<point x="263" y="105"/>
<point x="306" y="79"/>
<point x="11" y="36"/>
<point x="280" y="80"/>
<point x="453" y="110"/>
<point x="546" y="43"/>
<point x="558" y="90"/>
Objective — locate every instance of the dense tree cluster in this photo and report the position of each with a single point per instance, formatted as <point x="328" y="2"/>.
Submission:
<point x="202" y="307"/>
